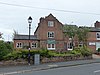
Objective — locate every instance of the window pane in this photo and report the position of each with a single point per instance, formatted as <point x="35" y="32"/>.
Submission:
<point x="98" y="35"/>
<point x="70" y="45"/>
<point x="18" y="45"/>
<point x="33" y="45"/>
<point x="53" y="45"/>
<point x="50" y="34"/>
<point x="50" y="23"/>
<point x="49" y="46"/>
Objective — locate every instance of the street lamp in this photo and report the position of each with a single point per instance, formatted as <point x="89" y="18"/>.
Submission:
<point x="29" y="21"/>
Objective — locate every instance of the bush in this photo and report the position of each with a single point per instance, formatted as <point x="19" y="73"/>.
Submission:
<point x="75" y="52"/>
<point x="84" y="51"/>
<point x="13" y="55"/>
<point x="23" y="54"/>
<point x="5" y="48"/>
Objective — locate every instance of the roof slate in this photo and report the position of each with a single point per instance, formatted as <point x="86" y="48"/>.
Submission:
<point x="25" y="37"/>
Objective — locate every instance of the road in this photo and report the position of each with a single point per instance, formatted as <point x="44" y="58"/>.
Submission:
<point x="87" y="69"/>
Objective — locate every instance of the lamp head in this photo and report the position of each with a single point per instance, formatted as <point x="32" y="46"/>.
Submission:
<point x="30" y="19"/>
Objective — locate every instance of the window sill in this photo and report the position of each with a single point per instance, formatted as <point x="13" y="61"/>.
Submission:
<point x="98" y="38"/>
<point x="51" y="48"/>
<point x="70" y="49"/>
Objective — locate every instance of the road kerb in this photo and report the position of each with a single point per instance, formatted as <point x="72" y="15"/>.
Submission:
<point x="52" y="67"/>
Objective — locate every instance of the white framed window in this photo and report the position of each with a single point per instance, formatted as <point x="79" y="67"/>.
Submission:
<point x="98" y="35"/>
<point x="50" y="34"/>
<point x="92" y="43"/>
<point x="18" y="45"/>
<point x="51" y="46"/>
<point x="50" y="23"/>
<point x="70" y="46"/>
<point x="34" y="45"/>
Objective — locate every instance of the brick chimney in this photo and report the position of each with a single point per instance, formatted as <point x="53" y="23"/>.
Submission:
<point x="41" y="19"/>
<point x="97" y="24"/>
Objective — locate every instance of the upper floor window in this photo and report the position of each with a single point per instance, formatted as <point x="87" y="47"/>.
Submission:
<point x="34" y="45"/>
<point x="98" y="36"/>
<point x="19" y="45"/>
<point x="50" y="34"/>
<point x="50" y="23"/>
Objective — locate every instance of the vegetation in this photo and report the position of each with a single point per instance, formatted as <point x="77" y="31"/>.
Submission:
<point x="8" y="53"/>
<point x="23" y="54"/>
<point x="81" y="32"/>
<point x="5" y="48"/>
<point x="0" y="35"/>
<point x="70" y="31"/>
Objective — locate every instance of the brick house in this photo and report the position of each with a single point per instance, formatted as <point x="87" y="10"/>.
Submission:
<point x="50" y="35"/>
<point x="22" y="41"/>
<point x="94" y="37"/>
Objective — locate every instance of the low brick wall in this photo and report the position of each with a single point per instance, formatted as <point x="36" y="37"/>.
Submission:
<point x="64" y="58"/>
<point x="13" y="63"/>
<point x="44" y="60"/>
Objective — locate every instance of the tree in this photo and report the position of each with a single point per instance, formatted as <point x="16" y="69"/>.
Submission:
<point x="82" y="34"/>
<point x="70" y="31"/>
<point x="15" y="33"/>
<point x="5" y="48"/>
<point x="1" y="35"/>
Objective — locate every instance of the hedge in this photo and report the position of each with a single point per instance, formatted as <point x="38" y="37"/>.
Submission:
<point x="23" y="54"/>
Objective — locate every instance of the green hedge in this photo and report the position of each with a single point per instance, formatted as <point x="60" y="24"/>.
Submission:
<point x="23" y="54"/>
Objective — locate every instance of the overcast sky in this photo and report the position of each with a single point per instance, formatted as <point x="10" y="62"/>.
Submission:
<point x="14" y="13"/>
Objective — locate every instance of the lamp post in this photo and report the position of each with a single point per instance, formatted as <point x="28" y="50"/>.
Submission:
<point x="29" y="21"/>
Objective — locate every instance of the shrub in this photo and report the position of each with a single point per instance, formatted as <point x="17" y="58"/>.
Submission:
<point x="85" y="51"/>
<point x="5" y="48"/>
<point x="23" y="54"/>
<point x="13" y="55"/>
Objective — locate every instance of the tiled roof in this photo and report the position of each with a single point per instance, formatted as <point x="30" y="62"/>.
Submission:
<point x="25" y="37"/>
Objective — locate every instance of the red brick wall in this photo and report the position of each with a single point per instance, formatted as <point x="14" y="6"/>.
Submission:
<point x="92" y="36"/>
<point x="43" y="29"/>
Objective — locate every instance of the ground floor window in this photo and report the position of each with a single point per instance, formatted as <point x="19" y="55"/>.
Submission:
<point x="51" y="46"/>
<point x="34" y="45"/>
<point x="19" y="45"/>
<point x="70" y="46"/>
<point x="92" y="43"/>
